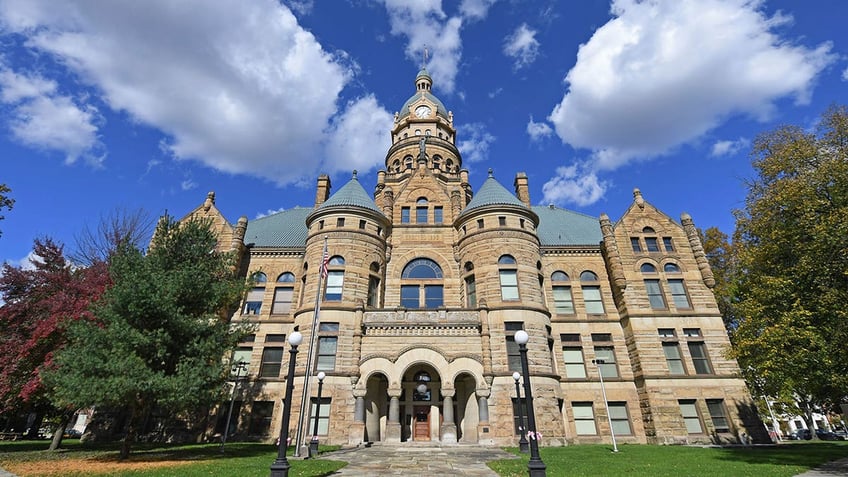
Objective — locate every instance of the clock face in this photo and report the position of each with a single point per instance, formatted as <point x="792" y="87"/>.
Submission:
<point x="422" y="111"/>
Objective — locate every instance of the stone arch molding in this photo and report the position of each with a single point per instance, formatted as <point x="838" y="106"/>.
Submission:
<point x="448" y="371"/>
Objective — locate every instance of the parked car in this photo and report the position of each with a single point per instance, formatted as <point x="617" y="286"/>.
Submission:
<point x="800" y="435"/>
<point x="73" y="434"/>
<point x="826" y="435"/>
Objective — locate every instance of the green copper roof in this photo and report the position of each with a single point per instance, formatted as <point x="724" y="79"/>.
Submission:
<point x="492" y="193"/>
<point x="283" y="229"/>
<point x="351" y="195"/>
<point x="423" y="73"/>
<point x="565" y="227"/>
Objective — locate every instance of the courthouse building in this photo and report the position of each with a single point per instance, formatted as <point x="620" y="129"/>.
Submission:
<point x="428" y="281"/>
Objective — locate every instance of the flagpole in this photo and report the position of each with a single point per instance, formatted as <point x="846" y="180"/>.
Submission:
<point x="303" y="421"/>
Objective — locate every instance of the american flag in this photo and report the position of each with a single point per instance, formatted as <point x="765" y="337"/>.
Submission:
<point x="325" y="261"/>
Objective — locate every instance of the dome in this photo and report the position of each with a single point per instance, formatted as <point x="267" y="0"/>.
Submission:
<point x="423" y="91"/>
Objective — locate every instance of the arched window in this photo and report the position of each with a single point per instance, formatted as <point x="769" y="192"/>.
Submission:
<point x="470" y="286"/>
<point x="509" y="278"/>
<point x="671" y="268"/>
<point x="253" y="301"/>
<point x="407" y="162"/>
<point x="678" y="290"/>
<point x="449" y="165"/>
<point x="437" y="161"/>
<point x="591" y="293"/>
<point x="396" y="165"/>
<point x="563" y="303"/>
<point x="335" y="278"/>
<point x="421" y="210"/>
<point x="283" y="294"/>
<point x="648" y="230"/>
<point x="651" y="243"/>
<point x="421" y="284"/>
<point x="374" y="285"/>
<point x="648" y="268"/>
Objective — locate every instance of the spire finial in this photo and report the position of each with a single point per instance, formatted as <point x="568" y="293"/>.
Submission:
<point x="491" y="172"/>
<point x="354" y="173"/>
<point x="425" y="56"/>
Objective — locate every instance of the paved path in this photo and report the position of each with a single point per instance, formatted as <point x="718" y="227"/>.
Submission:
<point x="409" y="460"/>
<point x="835" y="468"/>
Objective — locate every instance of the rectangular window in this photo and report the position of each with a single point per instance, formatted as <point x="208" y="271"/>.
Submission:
<point x="361" y="225"/>
<point x="438" y="214"/>
<point x="655" y="296"/>
<point x="433" y="296"/>
<point x="718" y="415"/>
<point x="502" y="221"/>
<point x="404" y="215"/>
<point x="668" y="244"/>
<point x="322" y="411"/>
<point x="666" y="333"/>
<point x="592" y="300"/>
<point x="470" y="291"/>
<point x="575" y="365"/>
<point x="690" y="416"/>
<point x="620" y="421"/>
<point x="260" y="418"/>
<point x="340" y="222"/>
<point x="327" y="346"/>
<point x="253" y="301"/>
<point x="698" y="351"/>
<point x="282" y="300"/>
<point x="509" y="285"/>
<point x="678" y="294"/>
<point x="272" y="360"/>
<point x="421" y="215"/>
<point x="320" y="225"/>
<point x="516" y="416"/>
<point x="563" y="304"/>
<point x="608" y="368"/>
<point x="275" y="338"/>
<point x="240" y="362"/>
<point x="692" y="332"/>
<point x="373" y="291"/>
<point x="479" y="223"/>
<point x="512" y="352"/>
<point x="584" y="418"/>
<point x="335" y="282"/>
<point x="409" y="296"/>
<point x="671" y="349"/>
<point x="634" y="243"/>
<point x="651" y="244"/>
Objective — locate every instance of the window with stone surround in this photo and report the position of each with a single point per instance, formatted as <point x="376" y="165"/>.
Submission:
<point x="584" y="418"/>
<point x="260" y="418"/>
<point x="272" y="356"/>
<point x="508" y="274"/>
<point x="322" y="412"/>
<point x="253" y="300"/>
<point x="591" y="293"/>
<point x="335" y="278"/>
<point x="512" y="351"/>
<point x="283" y="294"/>
<point x="718" y="414"/>
<point x="404" y="215"/>
<point x="604" y="350"/>
<point x="689" y="410"/>
<point x="470" y="286"/>
<point x="620" y="418"/>
<point x="572" y="356"/>
<point x="328" y="340"/>
<point x="421" y="208"/>
<point x="563" y="302"/>
<point x="422" y="284"/>
<point x="374" y="285"/>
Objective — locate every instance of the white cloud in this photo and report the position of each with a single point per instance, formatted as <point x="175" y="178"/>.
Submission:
<point x="44" y="119"/>
<point x="522" y="46"/>
<point x="425" y="24"/>
<point x="575" y="185"/>
<point x="302" y="7"/>
<point x="845" y="74"/>
<point x="188" y="184"/>
<point x="538" y="131"/>
<point x="659" y="74"/>
<point x="235" y="84"/>
<point x="358" y="138"/>
<point x="475" y="145"/>
<point x="729" y="148"/>
<point x="269" y="212"/>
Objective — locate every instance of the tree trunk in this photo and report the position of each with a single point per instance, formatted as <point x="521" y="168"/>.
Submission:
<point x="60" y="431"/>
<point x="132" y="430"/>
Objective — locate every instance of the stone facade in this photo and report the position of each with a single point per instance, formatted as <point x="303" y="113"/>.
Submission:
<point x="427" y="283"/>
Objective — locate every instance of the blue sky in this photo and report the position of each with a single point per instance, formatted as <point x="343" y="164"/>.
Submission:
<point x="127" y="104"/>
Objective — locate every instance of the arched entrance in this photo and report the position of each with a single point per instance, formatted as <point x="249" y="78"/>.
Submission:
<point x="376" y="407"/>
<point x="420" y="404"/>
<point x="467" y="410"/>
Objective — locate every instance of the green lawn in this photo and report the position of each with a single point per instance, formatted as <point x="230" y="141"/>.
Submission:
<point x="237" y="459"/>
<point x="784" y="460"/>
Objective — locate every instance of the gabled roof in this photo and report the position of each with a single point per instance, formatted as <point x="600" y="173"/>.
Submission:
<point x="565" y="227"/>
<point x="351" y="195"/>
<point x="283" y="229"/>
<point x="492" y="193"/>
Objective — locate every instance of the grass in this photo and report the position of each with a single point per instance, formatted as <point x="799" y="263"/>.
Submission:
<point x="30" y="459"/>
<point x="784" y="460"/>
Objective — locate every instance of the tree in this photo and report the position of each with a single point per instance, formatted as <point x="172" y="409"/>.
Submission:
<point x="792" y="241"/>
<point x="721" y="255"/>
<point x="39" y="303"/>
<point x="160" y="331"/>
<point x="5" y="201"/>
<point x="121" y="226"/>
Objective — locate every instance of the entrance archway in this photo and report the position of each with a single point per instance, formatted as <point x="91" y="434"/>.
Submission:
<point x="420" y="403"/>
<point x="467" y="410"/>
<point x="376" y="407"/>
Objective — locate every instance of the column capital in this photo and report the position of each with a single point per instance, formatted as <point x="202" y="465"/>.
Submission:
<point x="483" y="393"/>
<point x="448" y="392"/>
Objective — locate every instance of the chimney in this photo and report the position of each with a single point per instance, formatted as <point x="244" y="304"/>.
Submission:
<point x="522" y="188"/>
<point x="322" y="192"/>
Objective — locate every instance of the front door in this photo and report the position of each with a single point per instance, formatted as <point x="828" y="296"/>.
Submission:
<point x="421" y="424"/>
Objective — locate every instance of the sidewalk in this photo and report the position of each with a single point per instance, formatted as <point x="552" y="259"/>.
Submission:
<point x="434" y="460"/>
<point x="830" y="469"/>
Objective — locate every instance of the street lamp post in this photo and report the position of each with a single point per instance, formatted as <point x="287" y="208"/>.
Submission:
<point x="522" y="430"/>
<point x="598" y="363"/>
<point x="280" y="467"/>
<point x="313" y="444"/>
<point x="535" y="466"/>
<point x="239" y="367"/>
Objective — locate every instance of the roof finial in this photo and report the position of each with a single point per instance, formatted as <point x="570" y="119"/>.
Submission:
<point x="354" y="174"/>
<point x="425" y="56"/>
<point x="491" y="172"/>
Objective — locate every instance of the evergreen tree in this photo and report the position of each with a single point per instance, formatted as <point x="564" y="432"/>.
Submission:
<point x="160" y="330"/>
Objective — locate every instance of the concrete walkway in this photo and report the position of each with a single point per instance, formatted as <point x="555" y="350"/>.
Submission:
<point x="835" y="468"/>
<point x="411" y="460"/>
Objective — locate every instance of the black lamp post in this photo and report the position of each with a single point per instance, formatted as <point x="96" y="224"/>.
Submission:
<point x="535" y="466"/>
<point x="313" y="443"/>
<point x="522" y="429"/>
<point x="280" y="467"/>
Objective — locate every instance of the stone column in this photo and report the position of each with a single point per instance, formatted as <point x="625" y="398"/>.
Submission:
<point x="393" y="423"/>
<point x="448" y="430"/>
<point x="356" y="431"/>
<point x="484" y="434"/>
